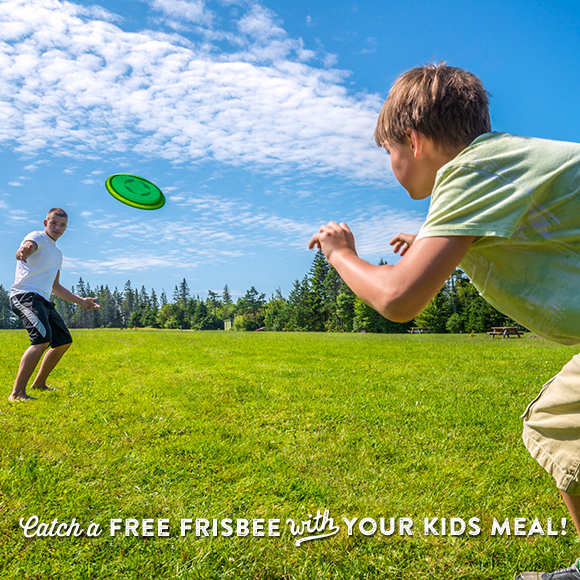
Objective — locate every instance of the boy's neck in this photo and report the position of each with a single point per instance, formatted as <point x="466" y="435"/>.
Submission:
<point x="434" y="157"/>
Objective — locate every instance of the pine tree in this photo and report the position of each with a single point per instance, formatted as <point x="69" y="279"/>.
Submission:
<point x="276" y="312"/>
<point x="251" y="305"/>
<point x="317" y="298"/>
<point x="332" y="288"/>
<point x="435" y="315"/>
<point x="227" y="307"/>
<point x="181" y="294"/>
<point x="299" y="314"/>
<point x="7" y="319"/>
<point x="154" y="302"/>
<point x="345" y="312"/>
<point x="127" y="303"/>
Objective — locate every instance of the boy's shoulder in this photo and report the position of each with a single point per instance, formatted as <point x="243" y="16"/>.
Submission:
<point x="37" y="236"/>
<point x="512" y="157"/>
<point x="42" y="240"/>
<point x="501" y="143"/>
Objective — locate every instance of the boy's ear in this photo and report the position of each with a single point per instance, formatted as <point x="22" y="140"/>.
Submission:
<point x="417" y="142"/>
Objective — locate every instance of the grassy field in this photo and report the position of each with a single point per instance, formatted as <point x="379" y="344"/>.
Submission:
<point x="169" y="425"/>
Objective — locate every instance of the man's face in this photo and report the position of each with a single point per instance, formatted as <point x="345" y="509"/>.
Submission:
<point x="55" y="226"/>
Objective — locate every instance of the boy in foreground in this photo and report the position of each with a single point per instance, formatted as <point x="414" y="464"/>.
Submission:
<point x="37" y="275"/>
<point x="504" y="208"/>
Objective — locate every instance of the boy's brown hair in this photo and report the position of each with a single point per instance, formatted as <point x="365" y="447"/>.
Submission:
<point x="58" y="211"/>
<point x="448" y="105"/>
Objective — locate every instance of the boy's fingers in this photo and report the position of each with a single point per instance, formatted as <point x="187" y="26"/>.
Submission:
<point x="325" y="230"/>
<point x="313" y="242"/>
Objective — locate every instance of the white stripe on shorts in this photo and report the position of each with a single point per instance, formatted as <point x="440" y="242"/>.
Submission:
<point x="32" y="318"/>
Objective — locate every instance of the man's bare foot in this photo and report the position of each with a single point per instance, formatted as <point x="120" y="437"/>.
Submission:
<point x="43" y="388"/>
<point x="21" y="397"/>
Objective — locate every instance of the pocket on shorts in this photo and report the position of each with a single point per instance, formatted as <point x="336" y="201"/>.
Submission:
<point x="525" y="414"/>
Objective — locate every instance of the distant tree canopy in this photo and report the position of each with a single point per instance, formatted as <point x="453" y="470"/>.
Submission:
<point x="320" y="302"/>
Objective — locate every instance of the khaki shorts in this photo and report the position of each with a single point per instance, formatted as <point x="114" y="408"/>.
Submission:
<point x="552" y="427"/>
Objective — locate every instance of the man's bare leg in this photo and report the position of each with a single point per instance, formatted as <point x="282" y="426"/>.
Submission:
<point x="50" y="360"/>
<point x="28" y="363"/>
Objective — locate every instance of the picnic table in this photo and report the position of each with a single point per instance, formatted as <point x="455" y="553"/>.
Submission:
<point x="418" y="330"/>
<point x="505" y="331"/>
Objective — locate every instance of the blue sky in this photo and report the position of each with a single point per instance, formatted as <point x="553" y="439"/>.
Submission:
<point x="256" y="119"/>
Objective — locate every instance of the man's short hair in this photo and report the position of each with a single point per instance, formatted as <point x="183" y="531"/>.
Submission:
<point x="57" y="211"/>
<point x="449" y="105"/>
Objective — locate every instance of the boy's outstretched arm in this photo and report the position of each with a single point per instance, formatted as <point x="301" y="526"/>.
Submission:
<point x="401" y="291"/>
<point x="66" y="294"/>
<point x="26" y="250"/>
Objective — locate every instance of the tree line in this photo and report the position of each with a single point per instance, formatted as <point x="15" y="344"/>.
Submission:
<point x="320" y="301"/>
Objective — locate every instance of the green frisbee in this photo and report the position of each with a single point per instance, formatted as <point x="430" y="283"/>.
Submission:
<point x="135" y="191"/>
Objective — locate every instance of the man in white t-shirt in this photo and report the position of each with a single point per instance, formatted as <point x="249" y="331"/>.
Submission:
<point x="37" y="275"/>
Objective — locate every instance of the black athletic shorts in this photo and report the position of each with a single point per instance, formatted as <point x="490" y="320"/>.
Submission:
<point x="41" y="320"/>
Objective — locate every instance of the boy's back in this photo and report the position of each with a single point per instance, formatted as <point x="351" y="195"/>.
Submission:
<point x="520" y="197"/>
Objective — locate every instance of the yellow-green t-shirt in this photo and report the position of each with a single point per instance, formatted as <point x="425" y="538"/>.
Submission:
<point x="521" y="198"/>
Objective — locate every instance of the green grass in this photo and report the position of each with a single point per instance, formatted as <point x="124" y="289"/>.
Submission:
<point x="162" y="424"/>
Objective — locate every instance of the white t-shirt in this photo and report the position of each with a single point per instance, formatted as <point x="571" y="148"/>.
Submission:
<point x="521" y="198"/>
<point x="38" y="273"/>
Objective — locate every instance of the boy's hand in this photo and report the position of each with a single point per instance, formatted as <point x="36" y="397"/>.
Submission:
<point x="89" y="303"/>
<point x="333" y="238"/>
<point x="402" y="243"/>
<point x="24" y="252"/>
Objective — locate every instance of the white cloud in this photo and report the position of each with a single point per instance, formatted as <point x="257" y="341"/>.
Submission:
<point x="118" y="264"/>
<point x="190" y="10"/>
<point x="18" y="215"/>
<point x="218" y="230"/>
<point x="373" y="231"/>
<point x="75" y="83"/>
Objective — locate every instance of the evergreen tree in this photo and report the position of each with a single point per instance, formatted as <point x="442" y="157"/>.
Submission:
<point x="332" y="288"/>
<point x="227" y="305"/>
<point x="226" y="296"/>
<point x="109" y="314"/>
<point x="299" y="306"/>
<point x="64" y="308"/>
<point x="276" y="312"/>
<point x="251" y="306"/>
<point x="127" y="303"/>
<point x="317" y="298"/>
<point x="345" y="308"/>
<point x="154" y="302"/>
<point x="434" y="316"/>
<point x="7" y="318"/>
<point x="212" y="302"/>
<point x="181" y="294"/>
<point x="201" y="318"/>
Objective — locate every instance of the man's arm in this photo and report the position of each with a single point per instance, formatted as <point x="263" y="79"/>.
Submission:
<point x="66" y="294"/>
<point x="399" y="292"/>
<point x="26" y="250"/>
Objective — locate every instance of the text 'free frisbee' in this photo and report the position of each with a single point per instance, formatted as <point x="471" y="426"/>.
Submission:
<point x="135" y="191"/>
